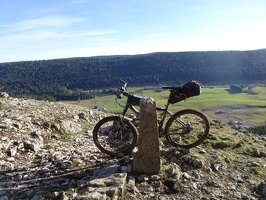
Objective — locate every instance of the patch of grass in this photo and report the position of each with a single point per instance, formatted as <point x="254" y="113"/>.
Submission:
<point x="210" y="98"/>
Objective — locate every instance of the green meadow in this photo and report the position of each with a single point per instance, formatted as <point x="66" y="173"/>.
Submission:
<point x="249" y="108"/>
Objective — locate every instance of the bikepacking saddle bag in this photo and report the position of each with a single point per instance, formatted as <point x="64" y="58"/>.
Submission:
<point x="190" y="89"/>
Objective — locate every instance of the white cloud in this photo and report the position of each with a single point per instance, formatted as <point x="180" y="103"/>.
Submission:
<point x="38" y="28"/>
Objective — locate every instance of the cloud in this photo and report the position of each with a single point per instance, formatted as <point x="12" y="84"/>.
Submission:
<point x="44" y="35"/>
<point x="47" y="22"/>
<point x="49" y="25"/>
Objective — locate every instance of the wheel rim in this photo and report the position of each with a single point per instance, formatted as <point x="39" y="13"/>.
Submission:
<point x="115" y="137"/>
<point x="189" y="131"/>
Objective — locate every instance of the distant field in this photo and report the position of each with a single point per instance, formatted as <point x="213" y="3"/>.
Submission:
<point x="249" y="108"/>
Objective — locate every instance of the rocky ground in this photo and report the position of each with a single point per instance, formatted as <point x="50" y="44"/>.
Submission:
<point x="47" y="152"/>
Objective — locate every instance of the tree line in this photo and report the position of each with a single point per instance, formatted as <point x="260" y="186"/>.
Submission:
<point x="79" y="78"/>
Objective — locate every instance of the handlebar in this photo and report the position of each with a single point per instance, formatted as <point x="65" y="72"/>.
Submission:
<point x="121" y="91"/>
<point x="125" y="84"/>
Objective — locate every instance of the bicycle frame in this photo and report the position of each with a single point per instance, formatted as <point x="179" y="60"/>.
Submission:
<point x="135" y="100"/>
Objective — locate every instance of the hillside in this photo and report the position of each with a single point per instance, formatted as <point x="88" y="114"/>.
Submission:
<point x="70" y="79"/>
<point x="47" y="152"/>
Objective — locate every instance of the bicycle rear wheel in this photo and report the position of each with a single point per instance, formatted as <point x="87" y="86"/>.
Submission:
<point x="114" y="135"/>
<point x="187" y="129"/>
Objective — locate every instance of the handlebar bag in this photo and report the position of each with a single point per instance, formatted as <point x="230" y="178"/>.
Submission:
<point x="190" y="89"/>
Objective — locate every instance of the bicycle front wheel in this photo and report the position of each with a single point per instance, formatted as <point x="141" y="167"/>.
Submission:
<point x="114" y="135"/>
<point x="187" y="129"/>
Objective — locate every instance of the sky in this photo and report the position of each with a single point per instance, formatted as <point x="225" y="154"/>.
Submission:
<point x="51" y="29"/>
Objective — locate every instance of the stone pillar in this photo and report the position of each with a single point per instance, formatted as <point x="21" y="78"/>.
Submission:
<point x="147" y="158"/>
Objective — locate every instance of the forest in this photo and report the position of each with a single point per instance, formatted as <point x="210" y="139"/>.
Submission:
<point x="79" y="78"/>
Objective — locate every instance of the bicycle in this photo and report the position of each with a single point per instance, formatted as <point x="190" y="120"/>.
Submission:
<point x="187" y="128"/>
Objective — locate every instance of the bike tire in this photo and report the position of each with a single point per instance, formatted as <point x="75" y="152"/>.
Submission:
<point x="187" y="129"/>
<point x="115" y="136"/>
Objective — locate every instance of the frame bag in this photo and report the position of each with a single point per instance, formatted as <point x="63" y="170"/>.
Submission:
<point x="190" y="89"/>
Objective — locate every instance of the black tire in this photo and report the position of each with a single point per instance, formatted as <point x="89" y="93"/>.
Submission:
<point x="115" y="136"/>
<point x="187" y="129"/>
